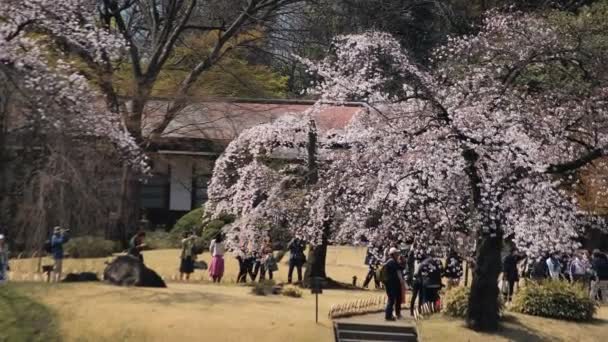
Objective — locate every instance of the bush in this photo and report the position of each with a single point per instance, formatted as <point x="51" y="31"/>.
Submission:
<point x="194" y="221"/>
<point x="456" y="302"/>
<point x="191" y="221"/>
<point x="90" y="247"/>
<point x="555" y="299"/>
<point x="159" y="239"/>
<point x="291" y="291"/>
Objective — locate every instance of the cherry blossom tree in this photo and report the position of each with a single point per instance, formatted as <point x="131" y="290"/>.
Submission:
<point x="58" y="107"/>
<point x="478" y="145"/>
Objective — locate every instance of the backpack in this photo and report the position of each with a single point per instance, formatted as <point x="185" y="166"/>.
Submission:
<point x="540" y="269"/>
<point x="382" y="274"/>
<point x="48" y="246"/>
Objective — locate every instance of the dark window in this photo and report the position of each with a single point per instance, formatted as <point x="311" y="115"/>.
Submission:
<point x="155" y="192"/>
<point x="201" y="182"/>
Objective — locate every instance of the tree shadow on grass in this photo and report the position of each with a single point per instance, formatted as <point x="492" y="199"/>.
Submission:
<point x="513" y="330"/>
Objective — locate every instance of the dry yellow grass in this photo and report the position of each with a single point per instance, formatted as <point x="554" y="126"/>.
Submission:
<point x="518" y="327"/>
<point x="207" y="312"/>
<point x="342" y="264"/>
<point x="186" y="312"/>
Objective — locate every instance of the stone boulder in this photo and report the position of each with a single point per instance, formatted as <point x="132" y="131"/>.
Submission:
<point x="80" y="277"/>
<point x="130" y="271"/>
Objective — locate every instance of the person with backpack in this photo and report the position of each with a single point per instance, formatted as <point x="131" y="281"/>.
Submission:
<point x="373" y="262"/>
<point x="390" y="274"/>
<point x="538" y="269"/>
<point x="4" y="255"/>
<point x="59" y="238"/>
<point x="297" y="259"/>
<point x="186" y="266"/>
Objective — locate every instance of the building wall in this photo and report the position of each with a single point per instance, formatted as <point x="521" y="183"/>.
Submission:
<point x="178" y="185"/>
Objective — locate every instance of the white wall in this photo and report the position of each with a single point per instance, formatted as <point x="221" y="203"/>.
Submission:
<point x="181" y="184"/>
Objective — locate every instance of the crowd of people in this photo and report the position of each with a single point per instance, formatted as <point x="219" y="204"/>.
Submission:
<point x="395" y="265"/>
<point x="591" y="271"/>
<point x="402" y="266"/>
<point x="254" y="263"/>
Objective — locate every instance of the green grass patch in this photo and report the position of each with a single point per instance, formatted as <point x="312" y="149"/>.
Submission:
<point x="23" y="319"/>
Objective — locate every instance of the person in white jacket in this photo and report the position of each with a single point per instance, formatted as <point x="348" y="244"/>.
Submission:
<point x="554" y="266"/>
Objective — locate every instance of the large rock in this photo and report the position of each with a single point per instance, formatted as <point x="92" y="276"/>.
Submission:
<point x="130" y="271"/>
<point x="80" y="277"/>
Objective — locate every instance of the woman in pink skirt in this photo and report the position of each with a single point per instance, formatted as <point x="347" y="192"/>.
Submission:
<point x="217" y="249"/>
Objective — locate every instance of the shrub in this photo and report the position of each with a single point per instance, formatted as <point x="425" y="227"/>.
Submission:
<point x="191" y="221"/>
<point x="90" y="247"/>
<point x="291" y="291"/>
<point x="194" y="221"/>
<point x="456" y="302"/>
<point x="159" y="239"/>
<point x="555" y="299"/>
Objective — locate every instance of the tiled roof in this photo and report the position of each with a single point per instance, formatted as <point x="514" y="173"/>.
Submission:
<point x="224" y="120"/>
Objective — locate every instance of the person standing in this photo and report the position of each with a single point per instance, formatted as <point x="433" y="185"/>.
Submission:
<point x="599" y="264"/>
<point x="269" y="264"/>
<point x="392" y="284"/>
<point x="414" y="258"/>
<point x="217" y="249"/>
<point x="296" y="258"/>
<point x="429" y="271"/>
<point x="59" y="238"/>
<point x="241" y="258"/>
<point x="579" y="268"/>
<point x="186" y="266"/>
<point x="373" y="262"/>
<point x="137" y="245"/>
<point x="554" y="266"/>
<point x="510" y="273"/>
<point x="4" y="255"/>
<point x="453" y="269"/>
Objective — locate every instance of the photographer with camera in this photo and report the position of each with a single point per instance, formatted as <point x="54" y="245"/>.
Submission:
<point x="59" y="238"/>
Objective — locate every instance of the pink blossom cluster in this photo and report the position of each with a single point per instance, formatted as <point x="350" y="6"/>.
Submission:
<point x="57" y="96"/>
<point x="464" y="149"/>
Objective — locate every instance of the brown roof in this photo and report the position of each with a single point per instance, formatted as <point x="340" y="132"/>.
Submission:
<point x="224" y="120"/>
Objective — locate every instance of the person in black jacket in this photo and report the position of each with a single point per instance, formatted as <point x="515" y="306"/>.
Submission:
<point x="453" y="269"/>
<point x="510" y="274"/>
<point x="429" y="271"/>
<point x="599" y="265"/>
<point x="373" y="262"/>
<point x="392" y="283"/>
<point x="296" y="258"/>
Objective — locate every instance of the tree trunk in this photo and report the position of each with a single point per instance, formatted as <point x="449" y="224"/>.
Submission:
<point x="315" y="265"/>
<point x="483" y="301"/>
<point x="128" y="212"/>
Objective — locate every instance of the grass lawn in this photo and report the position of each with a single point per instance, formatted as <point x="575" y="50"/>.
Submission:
<point x="24" y="319"/>
<point x="186" y="312"/>
<point x="206" y="312"/>
<point x="342" y="264"/>
<point x="518" y="327"/>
